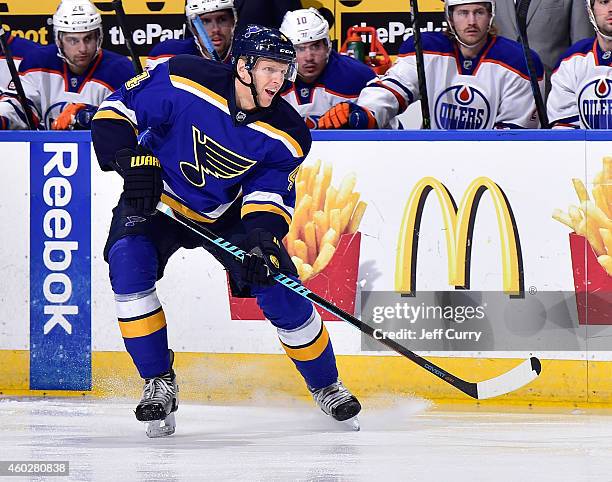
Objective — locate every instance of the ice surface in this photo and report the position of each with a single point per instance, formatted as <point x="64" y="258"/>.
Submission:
<point x="409" y="440"/>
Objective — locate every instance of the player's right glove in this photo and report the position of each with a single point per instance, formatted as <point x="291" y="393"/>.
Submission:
<point x="142" y="179"/>
<point x="347" y="115"/>
<point x="262" y="258"/>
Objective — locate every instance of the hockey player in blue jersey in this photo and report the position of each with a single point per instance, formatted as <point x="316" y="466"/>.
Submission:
<point x="325" y="78"/>
<point x="221" y="147"/>
<point x="65" y="82"/>
<point x="213" y="18"/>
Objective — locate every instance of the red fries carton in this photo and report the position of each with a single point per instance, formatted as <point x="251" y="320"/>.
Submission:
<point x="593" y="285"/>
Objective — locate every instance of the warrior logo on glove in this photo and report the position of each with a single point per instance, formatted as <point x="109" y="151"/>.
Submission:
<point x="142" y="179"/>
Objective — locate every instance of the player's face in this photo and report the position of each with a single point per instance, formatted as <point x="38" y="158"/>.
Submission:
<point x="268" y="76"/>
<point x="312" y="58"/>
<point x="219" y="26"/>
<point x="79" y="48"/>
<point x="602" y="10"/>
<point x="471" y="22"/>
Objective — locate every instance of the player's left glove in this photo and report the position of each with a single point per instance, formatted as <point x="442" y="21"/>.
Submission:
<point x="262" y="259"/>
<point x="347" y="115"/>
<point x="74" y="116"/>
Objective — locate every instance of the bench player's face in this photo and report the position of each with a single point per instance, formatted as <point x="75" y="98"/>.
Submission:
<point x="602" y="9"/>
<point x="312" y="58"/>
<point x="268" y="76"/>
<point x="471" y="22"/>
<point x="80" y="48"/>
<point x="219" y="26"/>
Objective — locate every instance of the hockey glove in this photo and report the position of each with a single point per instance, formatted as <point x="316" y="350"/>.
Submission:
<point x="262" y="258"/>
<point x="66" y="118"/>
<point x="347" y="115"/>
<point x="142" y="179"/>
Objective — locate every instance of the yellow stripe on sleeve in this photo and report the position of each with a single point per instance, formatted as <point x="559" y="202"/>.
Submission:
<point x="144" y="326"/>
<point x="111" y="114"/>
<point x="312" y="351"/>
<point x="269" y="208"/>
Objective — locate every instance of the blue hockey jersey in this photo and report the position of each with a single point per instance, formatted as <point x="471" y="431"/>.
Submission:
<point x="212" y="153"/>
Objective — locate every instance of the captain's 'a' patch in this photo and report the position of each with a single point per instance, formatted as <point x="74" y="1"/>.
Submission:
<point x="212" y="159"/>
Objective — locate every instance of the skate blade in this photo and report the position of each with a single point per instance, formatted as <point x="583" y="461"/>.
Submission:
<point x="352" y="423"/>
<point x="161" y="428"/>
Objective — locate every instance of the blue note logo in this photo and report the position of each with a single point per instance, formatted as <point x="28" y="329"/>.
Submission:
<point x="462" y="107"/>
<point x="595" y="104"/>
<point x="212" y="159"/>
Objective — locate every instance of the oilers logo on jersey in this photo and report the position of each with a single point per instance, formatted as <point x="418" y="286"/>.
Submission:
<point x="595" y="104"/>
<point x="213" y="159"/>
<point x="462" y="106"/>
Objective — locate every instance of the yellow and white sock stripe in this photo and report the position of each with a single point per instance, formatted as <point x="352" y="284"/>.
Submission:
<point x="139" y="314"/>
<point x="306" y="342"/>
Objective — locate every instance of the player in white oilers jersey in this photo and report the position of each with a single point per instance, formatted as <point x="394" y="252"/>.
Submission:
<point x="325" y="78"/>
<point x="66" y="82"/>
<point x="475" y="80"/>
<point x="222" y="148"/>
<point x="20" y="48"/>
<point x="217" y="17"/>
<point x="581" y="90"/>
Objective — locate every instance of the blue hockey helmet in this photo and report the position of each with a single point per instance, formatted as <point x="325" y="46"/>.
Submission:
<point x="268" y="43"/>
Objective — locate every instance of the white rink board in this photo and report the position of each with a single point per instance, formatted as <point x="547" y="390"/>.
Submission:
<point x="535" y="176"/>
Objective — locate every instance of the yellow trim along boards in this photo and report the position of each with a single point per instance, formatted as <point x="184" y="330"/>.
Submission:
<point x="233" y="377"/>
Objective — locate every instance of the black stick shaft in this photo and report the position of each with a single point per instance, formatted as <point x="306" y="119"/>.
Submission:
<point x="468" y="388"/>
<point x="521" y="20"/>
<point x="420" y="64"/>
<point x="127" y="34"/>
<point x="23" y="100"/>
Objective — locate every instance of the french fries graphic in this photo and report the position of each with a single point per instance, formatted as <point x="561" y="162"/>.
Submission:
<point x="322" y="214"/>
<point x="593" y="217"/>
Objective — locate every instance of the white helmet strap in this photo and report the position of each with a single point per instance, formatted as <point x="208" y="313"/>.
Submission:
<point x="594" y="22"/>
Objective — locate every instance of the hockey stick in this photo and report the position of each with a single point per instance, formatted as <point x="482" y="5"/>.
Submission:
<point x="127" y="34"/>
<point x="505" y="383"/>
<point x="21" y="97"/>
<point x="420" y="64"/>
<point x="205" y="38"/>
<point x="522" y="7"/>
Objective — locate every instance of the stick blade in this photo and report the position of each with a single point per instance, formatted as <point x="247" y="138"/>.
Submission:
<point x="512" y="380"/>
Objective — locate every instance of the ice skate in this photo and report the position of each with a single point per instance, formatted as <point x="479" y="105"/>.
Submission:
<point x="158" y="404"/>
<point x="336" y="401"/>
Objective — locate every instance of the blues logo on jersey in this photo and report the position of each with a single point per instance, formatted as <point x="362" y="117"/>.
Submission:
<point x="212" y="159"/>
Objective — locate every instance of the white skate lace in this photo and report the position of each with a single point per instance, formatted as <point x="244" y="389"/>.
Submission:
<point x="158" y="390"/>
<point x="331" y="396"/>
